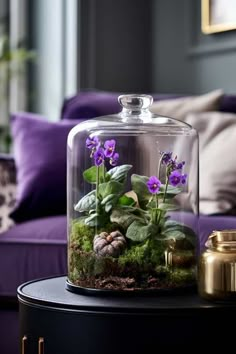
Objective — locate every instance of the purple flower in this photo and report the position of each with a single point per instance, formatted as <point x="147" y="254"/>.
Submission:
<point x="99" y="157"/>
<point x="175" y="178"/>
<point x="92" y="142"/>
<point x="109" y="146"/>
<point x="114" y="159"/>
<point x="184" y="178"/>
<point x="180" y="165"/>
<point x="172" y="165"/>
<point x="166" y="157"/>
<point x="153" y="184"/>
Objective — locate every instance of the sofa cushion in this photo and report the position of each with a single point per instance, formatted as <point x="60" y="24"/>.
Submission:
<point x="32" y="250"/>
<point x="217" y="167"/>
<point x="179" y="108"/>
<point x="40" y="157"/>
<point x="90" y="104"/>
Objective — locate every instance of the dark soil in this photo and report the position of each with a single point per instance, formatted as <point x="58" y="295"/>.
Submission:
<point x="105" y="273"/>
<point x="131" y="284"/>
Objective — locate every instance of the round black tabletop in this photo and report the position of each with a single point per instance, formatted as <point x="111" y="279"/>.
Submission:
<point x="51" y="292"/>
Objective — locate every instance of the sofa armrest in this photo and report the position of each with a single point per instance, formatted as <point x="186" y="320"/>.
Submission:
<point x="7" y="190"/>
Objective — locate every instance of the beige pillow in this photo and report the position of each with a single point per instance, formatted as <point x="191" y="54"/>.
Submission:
<point x="217" y="165"/>
<point x="178" y="108"/>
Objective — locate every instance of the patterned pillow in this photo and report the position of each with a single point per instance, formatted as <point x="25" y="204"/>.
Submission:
<point x="7" y="190"/>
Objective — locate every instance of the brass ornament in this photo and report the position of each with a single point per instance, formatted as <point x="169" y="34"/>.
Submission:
<point x="217" y="266"/>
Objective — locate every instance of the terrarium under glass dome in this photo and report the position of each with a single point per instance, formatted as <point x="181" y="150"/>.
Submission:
<point x="132" y="202"/>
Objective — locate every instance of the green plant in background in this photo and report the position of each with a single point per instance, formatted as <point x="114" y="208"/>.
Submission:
<point x="12" y="64"/>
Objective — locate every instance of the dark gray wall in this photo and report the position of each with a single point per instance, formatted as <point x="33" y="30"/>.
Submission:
<point x="184" y="60"/>
<point x="115" y="45"/>
<point x="153" y="46"/>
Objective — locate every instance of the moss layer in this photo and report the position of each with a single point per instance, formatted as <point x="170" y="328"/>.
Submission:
<point x="141" y="266"/>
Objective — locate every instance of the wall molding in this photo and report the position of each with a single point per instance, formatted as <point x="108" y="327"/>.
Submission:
<point x="194" y="47"/>
<point x="211" y="49"/>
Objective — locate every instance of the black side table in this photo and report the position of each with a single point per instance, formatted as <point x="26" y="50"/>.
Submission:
<point x="55" y="321"/>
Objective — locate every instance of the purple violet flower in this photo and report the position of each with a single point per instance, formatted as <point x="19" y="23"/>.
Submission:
<point x="153" y="184"/>
<point x="180" y="165"/>
<point x="172" y="164"/>
<point x="92" y="142"/>
<point x="184" y="178"/>
<point x="165" y="157"/>
<point x="99" y="157"/>
<point x="109" y="146"/>
<point x="114" y="159"/>
<point x="175" y="178"/>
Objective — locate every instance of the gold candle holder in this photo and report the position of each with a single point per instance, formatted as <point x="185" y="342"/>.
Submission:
<point x="217" y="267"/>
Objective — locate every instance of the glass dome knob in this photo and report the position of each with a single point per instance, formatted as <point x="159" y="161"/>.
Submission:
<point x="135" y="101"/>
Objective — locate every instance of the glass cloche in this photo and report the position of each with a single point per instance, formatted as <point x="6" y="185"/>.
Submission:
<point x="132" y="202"/>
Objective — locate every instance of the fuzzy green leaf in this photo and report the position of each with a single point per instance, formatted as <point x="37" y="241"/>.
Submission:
<point x="172" y="226"/>
<point x="174" y="234"/>
<point x="124" y="200"/>
<point x="92" y="220"/>
<point x="122" y="217"/>
<point x="139" y="232"/>
<point x="140" y="188"/>
<point x="86" y="203"/>
<point x="111" y="187"/>
<point x="168" y="206"/>
<point x="109" y="198"/>
<point x="119" y="173"/>
<point x="170" y="193"/>
<point x="90" y="175"/>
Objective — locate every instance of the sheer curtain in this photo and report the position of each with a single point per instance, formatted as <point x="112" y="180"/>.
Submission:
<point x="54" y="36"/>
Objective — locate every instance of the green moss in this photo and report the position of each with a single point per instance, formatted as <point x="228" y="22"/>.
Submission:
<point x="82" y="235"/>
<point x="87" y="264"/>
<point x="135" y="254"/>
<point x="182" y="276"/>
<point x="149" y="252"/>
<point x="157" y="252"/>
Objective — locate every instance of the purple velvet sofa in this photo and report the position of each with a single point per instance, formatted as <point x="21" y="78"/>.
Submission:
<point x="37" y="248"/>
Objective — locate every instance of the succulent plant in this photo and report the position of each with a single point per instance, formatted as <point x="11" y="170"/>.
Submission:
<point x="111" y="244"/>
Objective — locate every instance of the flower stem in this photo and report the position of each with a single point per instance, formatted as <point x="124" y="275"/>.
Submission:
<point x="159" y="167"/>
<point x="156" y="217"/>
<point x="103" y="170"/>
<point x="97" y="188"/>
<point x="166" y="186"/>
<point x="156" y="200"/>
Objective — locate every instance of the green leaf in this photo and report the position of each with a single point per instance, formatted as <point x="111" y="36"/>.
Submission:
<point x="111" y="187"/>
<point x="174" y="234"/>
<point x="92" y="220"/>
<point x="139" y="232"/>
<point x="172" y="226"/>
<point x="87" y="203"/>
<point x="122" y="217"/>
<point x="168" y="206"/>
<point x="108" y="207"/>
<point x="119" y="173"/>
<point x="140" y="188"/>
<point x="124" y="200"/>
<point x="109" y="201"/>
<point x="109" y="198"/>
<point x="90" y="175"/>
<point x="170" y="193"/>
